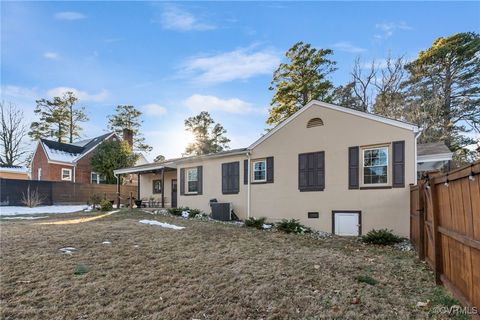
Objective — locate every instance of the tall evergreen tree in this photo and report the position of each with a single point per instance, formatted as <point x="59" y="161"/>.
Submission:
<point x="128" y="117"/>
<point x="302" y="79"/>
<point x="209" y="137"/>
<point x="111" y="155"/>
<point x="59" y="119"/>
<point x="345" y="96"/>
<point x="444" y="89"/>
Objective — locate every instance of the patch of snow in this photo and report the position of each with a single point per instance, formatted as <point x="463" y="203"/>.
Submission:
<point x="106" y="242"/>
<point x="185" y="214"/>
<point x="24" y="218"/>
<point x="161" y="224"/>
<point x="17" y="210"/>
<point x="266" y="226"/>
<point x="59" y="155"/>
<point x="67" y="250"/>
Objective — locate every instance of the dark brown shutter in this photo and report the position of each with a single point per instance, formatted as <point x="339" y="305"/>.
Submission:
<point x="235" y="179"/>
<point x="353" y="168"/>
<point x="182" y="181"/>
<point x="245" y="171"/>
<point x="224" y="178"/>
<point x="200" y="179"/>
<point x="320" y="170"/>
<point x="269" y="169"/>
<point x="398" y="164"/>
<point x="302" y="171"/>
<point x="230" y="177"/>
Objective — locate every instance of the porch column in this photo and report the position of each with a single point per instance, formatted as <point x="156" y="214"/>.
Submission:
<point x="138" y="188"/>
<point x="163" y="187"/>
<point x="118" y="191"/>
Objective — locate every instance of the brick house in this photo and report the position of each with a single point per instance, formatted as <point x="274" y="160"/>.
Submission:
<point x="54" y="161"/>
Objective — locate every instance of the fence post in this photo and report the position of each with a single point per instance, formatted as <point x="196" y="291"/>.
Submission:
<point x="421" y="220"/>
<point x="118" y="192"/>
<point x="131" y="200"/>
<point x="437" y="245"/>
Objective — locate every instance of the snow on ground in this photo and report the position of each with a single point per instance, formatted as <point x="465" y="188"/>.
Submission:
<point x="14" y="210"/>
<point x="24" y="218"/>
<point x="161" y="224"/>
<point x="67" y="250"/>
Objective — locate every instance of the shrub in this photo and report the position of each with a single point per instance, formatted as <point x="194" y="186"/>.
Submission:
<point x="255" y="223"/>
<point x="367" y="279"/>
<point x="95" y="200"/>
<point x="32" y="198"/>
<point x="192" y="213"/>
<point x="177" y="211"/>
<point x="106" y="205"/>
<point x="292" y="226"/>
<point x="381" y="237"/>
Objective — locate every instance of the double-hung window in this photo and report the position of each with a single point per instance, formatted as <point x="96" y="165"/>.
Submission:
<point x="375" y="166"/>
<point x="259" y="170"/>
<point x="192" y="180"/>
<point x="66" y="174"/>
<point x="157" y="186"/>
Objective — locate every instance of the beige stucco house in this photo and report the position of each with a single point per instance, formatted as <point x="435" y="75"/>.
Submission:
<point x="333" y="168"/>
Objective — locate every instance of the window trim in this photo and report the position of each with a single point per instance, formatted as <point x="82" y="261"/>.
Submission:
<point x="362" y="166"/>
<point x="153" y="186"/>
<point x="253" y="170"/>
<point x="91" y="178"/>
<point x="69" y="174"/>
<point x="187" y="189"/>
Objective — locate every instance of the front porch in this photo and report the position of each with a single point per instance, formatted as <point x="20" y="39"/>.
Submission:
<point x="157" y="184"/>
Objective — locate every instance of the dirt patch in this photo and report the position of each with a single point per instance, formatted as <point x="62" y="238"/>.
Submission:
<point x="205" y="271"/>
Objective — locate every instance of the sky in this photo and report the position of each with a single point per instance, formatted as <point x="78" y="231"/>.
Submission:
<point x="174" y="59"/>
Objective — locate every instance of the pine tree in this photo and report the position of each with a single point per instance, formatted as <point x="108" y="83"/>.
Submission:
<point x="128" y="117"/>
<point x="209" y="136"/>
<point x="301" y="80"/>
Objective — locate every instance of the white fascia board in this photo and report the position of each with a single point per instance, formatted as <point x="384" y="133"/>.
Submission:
<point x="395" y="123"/>
<point x="435" y="157"/>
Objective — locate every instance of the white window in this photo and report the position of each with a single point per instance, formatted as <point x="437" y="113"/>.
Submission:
<point x="192" y="180"/>
<point x="94" y="178"/>
<point x="66" y="174"/>
<point x="39" y="174"/>
<point x="375" y="166"/>
<point x="259" y="171"/>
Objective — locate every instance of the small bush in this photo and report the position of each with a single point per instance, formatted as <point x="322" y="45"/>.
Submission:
<point x="32" y="198"/>
<point x="367" y="279"/>
<point x="80" y="269"/>
<point x="106" y="205"/>
<point x="255" y="223"/>
<point x="192" y="213"/>
<point x="382" y="237"/>
<point x="292" y="226"/>
<point x="177" y="211"/>
<point x="95" y="200"/>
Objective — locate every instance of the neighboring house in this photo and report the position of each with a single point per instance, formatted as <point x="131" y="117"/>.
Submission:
<point x="333" y="168"/>
<point x="433" y="156"/>
<point x="14" y="172"/>
<point x="54" y="161"/>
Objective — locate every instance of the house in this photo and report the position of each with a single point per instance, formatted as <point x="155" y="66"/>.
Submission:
<point x="14" y="172"/>
<point x="54" y="161"/>
<point x="433" y="156"/>
<point x="333" y="168"/>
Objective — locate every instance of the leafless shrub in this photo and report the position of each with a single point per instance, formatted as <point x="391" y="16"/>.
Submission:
<point x="32" y="198"/>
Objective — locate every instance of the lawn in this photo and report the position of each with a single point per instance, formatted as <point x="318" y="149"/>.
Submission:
<point x="206" y="271"/>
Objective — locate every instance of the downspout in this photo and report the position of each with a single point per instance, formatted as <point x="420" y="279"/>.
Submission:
<point x="248" y="185"/>
<point x="415" y="163"/>
<point x="74" y="173"/>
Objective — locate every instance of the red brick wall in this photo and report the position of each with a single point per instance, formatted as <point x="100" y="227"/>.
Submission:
<point x="50" y="171"/>
<point x="83" y="170"/>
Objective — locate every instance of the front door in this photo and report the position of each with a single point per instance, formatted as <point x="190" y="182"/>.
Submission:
<point x="346" y="223"/>
<point x="174" y="193"/>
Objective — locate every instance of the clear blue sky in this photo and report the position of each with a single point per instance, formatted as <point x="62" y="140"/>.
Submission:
<point x="172" y="60"/>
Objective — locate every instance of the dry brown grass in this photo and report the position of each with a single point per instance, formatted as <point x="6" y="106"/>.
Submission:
<point x="206" y="271"/>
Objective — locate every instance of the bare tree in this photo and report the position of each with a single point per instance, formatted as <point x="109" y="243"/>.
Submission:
<point x="390" y="98"/>
<point x="13" y="130"/>
<point x="364" y="84"/>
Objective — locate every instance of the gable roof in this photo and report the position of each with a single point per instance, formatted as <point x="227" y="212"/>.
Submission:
<point x="424" y="149"/>
<point x="71" y="152"/>
<point x="374" y="117"/>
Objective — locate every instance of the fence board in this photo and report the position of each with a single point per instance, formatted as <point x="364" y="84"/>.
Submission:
<point x="56" y="192"/>
<point x="451" y="230"/>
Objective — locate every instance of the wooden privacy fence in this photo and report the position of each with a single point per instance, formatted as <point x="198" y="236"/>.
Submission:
<point x="56" y="192"/>
<point x="445" y="229"/>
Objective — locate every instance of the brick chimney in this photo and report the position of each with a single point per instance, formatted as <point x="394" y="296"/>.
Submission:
<point x="128" y="136"/>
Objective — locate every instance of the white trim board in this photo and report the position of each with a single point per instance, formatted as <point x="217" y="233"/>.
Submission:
<point x="395" y="123"/>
